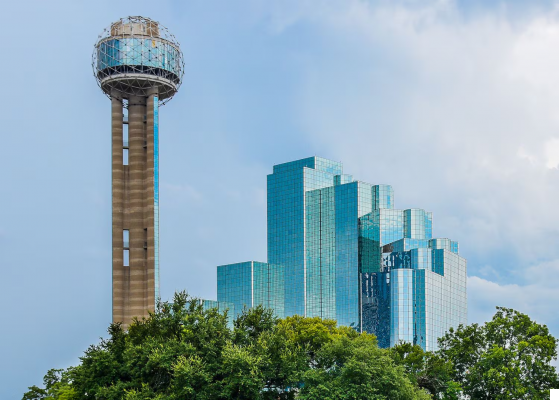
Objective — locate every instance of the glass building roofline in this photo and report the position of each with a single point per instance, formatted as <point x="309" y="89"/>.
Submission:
<point x="315" y="162"/>
<point x="240" y="262"/>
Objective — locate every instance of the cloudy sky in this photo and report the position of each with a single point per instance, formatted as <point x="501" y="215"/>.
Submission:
<point x="454" y="103"/>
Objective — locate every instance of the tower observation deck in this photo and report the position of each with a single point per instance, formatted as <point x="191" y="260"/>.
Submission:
<point x="138" y="64"/>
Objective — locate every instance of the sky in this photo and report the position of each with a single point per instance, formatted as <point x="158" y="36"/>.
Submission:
<point x="453" y="103"/>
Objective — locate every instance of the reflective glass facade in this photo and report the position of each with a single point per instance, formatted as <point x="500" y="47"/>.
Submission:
<point x="337" y="248"/>
<point x="416" y="297"/>
<point x="234" y="285"/>
<point x="332" y="249"/>
<point x="287" y="223"/>
<point x="251" y="283"/>
<point x="149" y="52"/>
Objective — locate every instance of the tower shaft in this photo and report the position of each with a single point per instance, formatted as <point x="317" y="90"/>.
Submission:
<point x="135" y="207"/>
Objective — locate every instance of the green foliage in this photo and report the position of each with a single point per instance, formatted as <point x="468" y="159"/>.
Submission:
<point x="310" y="334"/>
<point x="57" y="386"/>
<point x="507" y="358"/>
<point x="185" y="352"/>
<point x="355" y="368"/>
<point x="427" y="370"/>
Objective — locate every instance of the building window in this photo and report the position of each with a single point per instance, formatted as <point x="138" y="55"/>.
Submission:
<point x="126" y="258"/>
<point x="126" y="238"/>
<point x="125" y="157"/>
<point x="125" y="135"/>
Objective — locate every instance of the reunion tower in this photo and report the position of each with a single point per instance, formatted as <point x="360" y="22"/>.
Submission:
<point x="138" y="64"/>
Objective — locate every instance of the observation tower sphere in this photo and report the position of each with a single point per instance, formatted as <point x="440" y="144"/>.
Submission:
<point x="136" y="54"/>
<point x="139" y="66"/>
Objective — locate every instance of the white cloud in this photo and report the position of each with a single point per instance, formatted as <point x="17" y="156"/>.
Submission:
<point x="552" y="153"/>
<point x="536" y="294"/>
<point x="459" y="114"/>
<point x="532" y="59"/>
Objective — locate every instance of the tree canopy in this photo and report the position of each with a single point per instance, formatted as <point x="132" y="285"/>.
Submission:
<point x="183" y="351"/>
<point x="509" y="357"/>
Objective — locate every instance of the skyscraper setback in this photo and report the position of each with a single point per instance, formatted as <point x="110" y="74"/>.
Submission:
<point x="139" y="66"/>
<point x="338" y="249"/>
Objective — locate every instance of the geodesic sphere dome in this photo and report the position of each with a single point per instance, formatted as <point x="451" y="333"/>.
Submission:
<point x="135" y="55"/>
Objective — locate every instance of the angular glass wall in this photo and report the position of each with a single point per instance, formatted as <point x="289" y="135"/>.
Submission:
<point x="332" y="249"/>
<point x="383" y="197"/>
<point x="418" y="224"/>
<point x="353" y="200"/>
<point x="269" y="287"/>
<point x="426" y="289"/>
<point x="377" y="229"/>
<point x="321" y="253"/>
<point x="234" y="285"/>
<point x="252" y="283"/>
<point x="286" y="220"/>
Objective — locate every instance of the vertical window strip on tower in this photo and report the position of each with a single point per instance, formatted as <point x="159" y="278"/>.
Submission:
<point x="156" y="194"/>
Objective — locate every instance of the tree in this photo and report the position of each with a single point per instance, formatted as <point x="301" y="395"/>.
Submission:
<point x="507" y="358"/>
<point x="427" y="370"/>
<point x="175" y="353"/>
<point x="57" y="386"/>
<point x="182" y="351"/>
<point x="356" y="369"/>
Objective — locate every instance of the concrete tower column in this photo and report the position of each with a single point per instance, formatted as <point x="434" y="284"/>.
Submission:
<point x="136" y="206"/>
<point x="118" y="206"/>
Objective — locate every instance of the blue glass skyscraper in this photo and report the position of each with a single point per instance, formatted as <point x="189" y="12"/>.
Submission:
<point x="338" y="249"/>
<point x="287" y="188"/>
